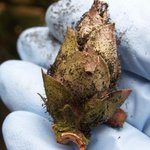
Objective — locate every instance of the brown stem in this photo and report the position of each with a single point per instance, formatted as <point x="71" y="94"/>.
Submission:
<point x="70" y="136"/>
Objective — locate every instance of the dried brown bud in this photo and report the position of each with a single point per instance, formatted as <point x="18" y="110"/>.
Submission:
<point x="81" y="90"/>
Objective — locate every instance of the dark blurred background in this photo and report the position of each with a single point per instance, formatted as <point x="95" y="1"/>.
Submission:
<point x="16" y="16"/>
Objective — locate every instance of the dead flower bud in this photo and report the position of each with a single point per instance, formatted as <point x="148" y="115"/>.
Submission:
<point x="81" y="89"/>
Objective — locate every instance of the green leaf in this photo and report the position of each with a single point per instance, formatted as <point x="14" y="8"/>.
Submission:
<point x="68" y="47"/>
<point x="57" y="95"/>
<point x="84" y="74"/>
<point x="99" y="110"/>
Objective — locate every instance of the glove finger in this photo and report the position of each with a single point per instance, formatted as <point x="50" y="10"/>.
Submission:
<point x="132" y="24"/>
<point x="146" y="128"/>
<point x="20" y="83"/>
<point x="38" y="46"/>
<point x="126" y="138"/>
<point x="34" y="132"/>
<point x="137" y="104"/>
<point x="25" y="130"/>
<point x="65" y="13"/>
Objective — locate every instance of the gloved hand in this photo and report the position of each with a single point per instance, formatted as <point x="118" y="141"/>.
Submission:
<point x="29" y="127"/>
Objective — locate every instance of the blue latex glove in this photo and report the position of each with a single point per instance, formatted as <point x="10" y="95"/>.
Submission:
<point x="29" y="127"/>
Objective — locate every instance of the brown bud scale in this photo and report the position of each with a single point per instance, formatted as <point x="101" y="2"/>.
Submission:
<point x="81" y="89"/>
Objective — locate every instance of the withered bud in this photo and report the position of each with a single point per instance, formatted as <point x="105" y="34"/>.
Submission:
<point x="81" y="90"/>
<point x="118" y="118"/>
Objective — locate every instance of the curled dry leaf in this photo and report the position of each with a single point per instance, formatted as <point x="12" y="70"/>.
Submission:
<point x="81" y="87"/>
